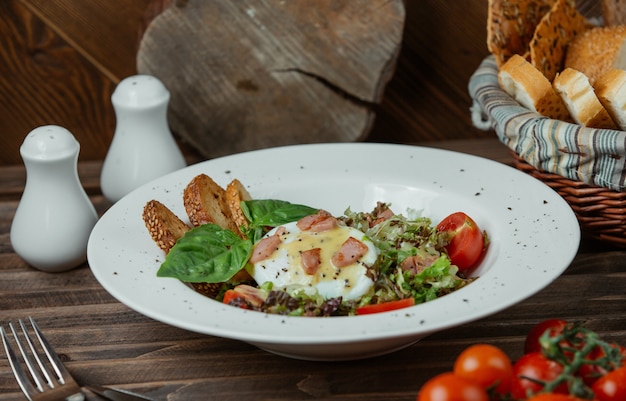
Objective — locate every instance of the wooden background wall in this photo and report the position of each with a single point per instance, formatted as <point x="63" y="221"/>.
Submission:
<point x="61" y="60"/>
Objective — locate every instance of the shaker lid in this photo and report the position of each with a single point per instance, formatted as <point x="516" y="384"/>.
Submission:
<point x="140" y="91"/>
<point x="49" y="142"/>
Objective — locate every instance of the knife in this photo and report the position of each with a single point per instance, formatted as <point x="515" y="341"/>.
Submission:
<point x="114" y="394"/>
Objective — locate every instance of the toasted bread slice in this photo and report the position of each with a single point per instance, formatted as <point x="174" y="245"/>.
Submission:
<point x="205" y="202"/>
<point x="581" y="100"/>
<point x="552" y="35"/>
<point x="164" y="226"/>
<point x="511" y="25"/>
<point x="611" y="90"/>
<point x="531" y="88"/>
<point x="235" y="194"/>
<point x="597" y="51"/>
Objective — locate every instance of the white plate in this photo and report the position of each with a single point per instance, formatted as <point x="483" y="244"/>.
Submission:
<point x="534" y="237"/>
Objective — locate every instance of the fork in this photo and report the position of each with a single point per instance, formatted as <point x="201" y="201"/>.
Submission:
<point x="42" y="385"/>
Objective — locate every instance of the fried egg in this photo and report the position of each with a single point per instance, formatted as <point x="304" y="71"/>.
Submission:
<point x="285" y="268"/>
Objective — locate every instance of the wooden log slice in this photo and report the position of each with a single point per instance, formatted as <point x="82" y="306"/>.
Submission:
<point x="250" y="74"/>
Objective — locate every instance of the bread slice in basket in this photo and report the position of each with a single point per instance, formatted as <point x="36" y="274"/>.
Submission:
<point x="553" y="35"/>
<point x="511" y="25"/>
<point x="526" y="84"/>
<point x="611" y="90"/>
<point x="597" y="51"/>
<point x="580" y="99"/>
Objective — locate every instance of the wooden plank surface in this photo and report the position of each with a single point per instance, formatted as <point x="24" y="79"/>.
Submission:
<point x="104" y="342"/>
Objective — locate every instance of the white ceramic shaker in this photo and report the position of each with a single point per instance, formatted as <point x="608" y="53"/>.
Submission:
<point x="143" y="147"/>
<point x="54" y="217"/>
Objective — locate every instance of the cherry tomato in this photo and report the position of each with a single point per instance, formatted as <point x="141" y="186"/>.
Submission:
<point x="487" y="365"/>
<point x="592" y="372"/>
<point x="450" y="387"/>
<point x="612" y="386"/>
<point x="466" y="240"/>
<point x="555" y="326"/>
<point x="530" y="369"/>
<point x="385" y="307"/>
<point x="554" y="397"/>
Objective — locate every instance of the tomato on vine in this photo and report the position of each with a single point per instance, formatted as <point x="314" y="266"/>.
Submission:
<point x="611" y="386"/>
<point x="556" y="327"/>
<point x="531" y="371"/>
<point x="487" y="365"/>
<point x="450" y="387"/>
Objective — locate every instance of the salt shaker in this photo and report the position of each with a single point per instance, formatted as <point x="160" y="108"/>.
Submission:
<point x="143" y="147"/>
<point x="54" y="217"/>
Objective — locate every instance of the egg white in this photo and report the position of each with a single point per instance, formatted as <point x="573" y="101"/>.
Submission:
<point x="284" y="268"/>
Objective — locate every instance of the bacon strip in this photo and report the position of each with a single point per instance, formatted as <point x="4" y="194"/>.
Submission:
<point x="267" y="246"/>
<point x="417" y="264"/>
<point x="351" y="250"/>
<point x="321" y="221"/>
<point x="311" y="260"/>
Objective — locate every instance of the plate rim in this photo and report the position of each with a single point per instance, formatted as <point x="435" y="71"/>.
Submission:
<point x="308" y="323"/>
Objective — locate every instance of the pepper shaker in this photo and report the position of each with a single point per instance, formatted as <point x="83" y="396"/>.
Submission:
<point x="54" y="217"/>
<point x="143" y="147"/>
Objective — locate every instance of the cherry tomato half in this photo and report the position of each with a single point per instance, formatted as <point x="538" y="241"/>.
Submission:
<point x="385" y="306"/>
<point x="555" y="326"/>
<point x="531" y="369"/>
<point x="467" y="241"/>
<point x="487" y="365"/>
<point x="612" y="386"/>
<point x="450" y="387"/>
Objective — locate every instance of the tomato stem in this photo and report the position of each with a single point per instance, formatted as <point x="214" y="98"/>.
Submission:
<point x="571" y="349"/>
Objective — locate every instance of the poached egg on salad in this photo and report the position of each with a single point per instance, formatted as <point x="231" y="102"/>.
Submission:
<point x="333" y="261"/>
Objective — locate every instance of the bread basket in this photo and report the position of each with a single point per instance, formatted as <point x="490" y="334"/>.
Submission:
<point x="586" y="166"/>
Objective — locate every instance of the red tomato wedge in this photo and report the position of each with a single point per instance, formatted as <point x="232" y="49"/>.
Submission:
<point x="385" y="307"/>
<point x="467" y="241"/>
<point x="245" y="294"/>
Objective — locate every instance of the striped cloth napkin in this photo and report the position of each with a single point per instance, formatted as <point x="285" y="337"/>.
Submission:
<point x="593" y="156"/>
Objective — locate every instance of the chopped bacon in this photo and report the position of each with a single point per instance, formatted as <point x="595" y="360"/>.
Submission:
<point x="266" y="247"/>
<point x="311" y="260"/>
<point x="382" y="216"/>
<point x="417" y="264"/>
<point x="351" y="250"/>
<point x="321" y="221"/>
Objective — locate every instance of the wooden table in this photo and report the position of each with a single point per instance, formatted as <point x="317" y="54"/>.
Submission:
<point x="104" y="342"/>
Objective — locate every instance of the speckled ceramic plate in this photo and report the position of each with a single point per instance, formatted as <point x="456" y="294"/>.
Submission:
<point x="534" y="237"/>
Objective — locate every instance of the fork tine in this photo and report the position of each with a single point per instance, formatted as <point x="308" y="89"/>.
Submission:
<point x="62" y="386"/>
<point x="35" y="355"/>
<point x="62" y="374"/>
<point x="22" y="379"/>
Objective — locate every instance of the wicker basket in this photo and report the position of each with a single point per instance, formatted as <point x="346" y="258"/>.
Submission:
<point x="587" y="167"/>
<point x="601" y="212"/>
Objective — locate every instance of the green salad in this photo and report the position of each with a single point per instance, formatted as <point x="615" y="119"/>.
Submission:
<point x="301" y="261"/>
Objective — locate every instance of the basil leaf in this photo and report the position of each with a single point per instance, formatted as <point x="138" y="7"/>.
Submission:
<point x="206" y="254"/>
<point x="273" y="213"/>
<point x="262" y="213"/>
